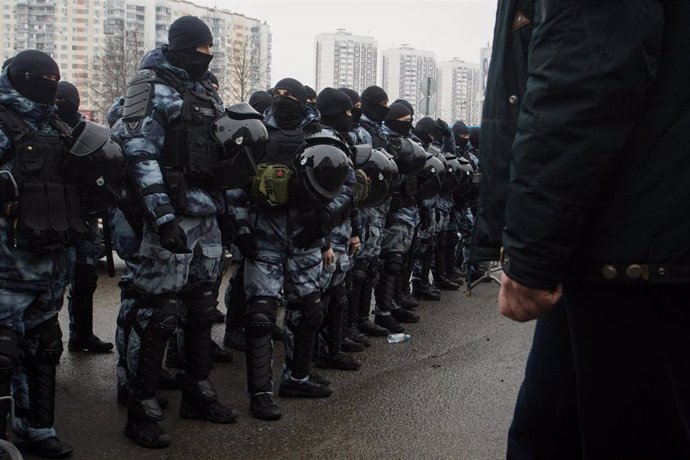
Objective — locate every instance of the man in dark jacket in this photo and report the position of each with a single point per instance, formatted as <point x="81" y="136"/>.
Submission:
<point x="601" y="140"/>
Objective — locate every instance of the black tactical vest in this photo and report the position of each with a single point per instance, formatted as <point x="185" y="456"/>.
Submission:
<point x="189" y="147"/>
<point x="48" y="211"/>
<point x="378" y="141"/>
<point x="282" y="145"/>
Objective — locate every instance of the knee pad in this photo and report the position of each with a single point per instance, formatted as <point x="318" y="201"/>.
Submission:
<point x="261" y="315"/>
<point x="360" y="270"/>
<point x="201" y="305"/>
<point x="312" y="310"/>
<point x="393" y="263"/>
<point x="49" y="342"/>
<point x="164" y="319"/>
<point x="9" y="354"/>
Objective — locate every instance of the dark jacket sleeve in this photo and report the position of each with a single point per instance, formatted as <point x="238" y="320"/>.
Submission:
<point x="590" y="66"/>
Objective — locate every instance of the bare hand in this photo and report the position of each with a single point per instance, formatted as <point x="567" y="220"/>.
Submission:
<point x="521" y="303"/>
<point x="354" y="245"/>
<point x="328" y="256"/>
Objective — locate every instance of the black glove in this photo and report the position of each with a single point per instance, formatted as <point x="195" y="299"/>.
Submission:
<point x="246" y="243"/>
<point x="443" y="128"/>
<point x="228" y="228"/>
<point x="173" y="237"/>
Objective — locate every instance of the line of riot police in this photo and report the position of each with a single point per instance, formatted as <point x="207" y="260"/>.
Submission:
<point x="323" y="203"/>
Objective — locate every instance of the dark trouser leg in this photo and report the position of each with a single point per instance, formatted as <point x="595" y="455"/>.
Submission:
<point x="199" y="396"/>
<point x="452" y="240"/>
<point x="81" y="300"/>
<point x="359" y="280"/>
<point x="632" y="365"/>
<point x="260" y="319"/>
<point x="143" y="410"/>
<point x="545" y="422"/>
<point x="305" y="331"/>
<point x="236" y="304"/>
<point x="9" y="356"/>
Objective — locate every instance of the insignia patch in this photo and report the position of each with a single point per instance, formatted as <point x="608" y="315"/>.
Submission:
<point x="134" y="126"/>
<point x="208" y="112"/>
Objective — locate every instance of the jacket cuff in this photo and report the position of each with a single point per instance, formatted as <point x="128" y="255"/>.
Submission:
<point x="528" y="275"/>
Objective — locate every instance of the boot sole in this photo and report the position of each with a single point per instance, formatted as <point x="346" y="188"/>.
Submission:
<point x="159" y="445"/>
<point x="268" y="417"/>
<point x="194" y="414"/>
<point x="88" y="350"/>
<point x="283" y="393"/>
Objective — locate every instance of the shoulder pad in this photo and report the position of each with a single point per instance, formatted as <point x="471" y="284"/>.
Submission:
<point x="139" y="94"/>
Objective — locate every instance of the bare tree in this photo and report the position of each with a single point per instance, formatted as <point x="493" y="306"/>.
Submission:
<point x="246" y="71"/>
<point x="117" y="62"/>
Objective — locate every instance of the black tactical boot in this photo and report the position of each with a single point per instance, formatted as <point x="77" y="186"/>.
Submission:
<point x="142" y="426"/>
<point x="263" y="407"/>
<point x="219" y="355"/>
<point x="318" y="378"/>
<point x="354" y="334"/>
<point x="443" y="283"/>
<point x="52" y="447"/>
<point x="200" y="401"/>
<point x="235" y="338"/>
<point x="389" y="323"/>
<point x="123" y="397"/>
<point x="341" y="361"/>
<point x="424" y="291"/>
<point x="350" y="346"/>
<point x="80" y="307"/>
<point x="405" y="316"/>
<point x="291" y="388"/>
<point x="371" y="329"/>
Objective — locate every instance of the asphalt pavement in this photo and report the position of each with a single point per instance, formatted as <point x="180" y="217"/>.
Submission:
<point x="448" y="393"/>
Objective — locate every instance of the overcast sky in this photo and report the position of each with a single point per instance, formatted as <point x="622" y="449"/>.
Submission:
<point x="455" y="28"/>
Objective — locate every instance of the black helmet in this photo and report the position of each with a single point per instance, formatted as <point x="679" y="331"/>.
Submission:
<point x="96" y="165"/>
<point x="430" y="178"/>
<point x="465" y="180"/>
<point x="244" y="139"/>
<point x="409" y="155"/>
<point x="453" y="174"/>
<point x="321" y="165"/>
<point x="379" y="169"/>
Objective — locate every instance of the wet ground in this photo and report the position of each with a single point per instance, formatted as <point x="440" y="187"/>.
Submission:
<point x="449" y="393"/>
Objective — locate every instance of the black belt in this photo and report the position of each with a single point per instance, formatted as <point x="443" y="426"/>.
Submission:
<point x="633" y="272"/>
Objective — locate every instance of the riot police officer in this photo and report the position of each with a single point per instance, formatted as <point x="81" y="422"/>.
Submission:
<point x="80" y="296"/>
<point x="282" y="231"/>
<point x="50" y="178"/>
<point x="169" y="102"/>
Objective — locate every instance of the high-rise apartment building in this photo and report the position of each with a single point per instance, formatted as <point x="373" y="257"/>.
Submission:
<point x="343" y="59"/>
<point x="405" y="70"/>
<point x="458" y="92"/>
<point x="84" y="36"/>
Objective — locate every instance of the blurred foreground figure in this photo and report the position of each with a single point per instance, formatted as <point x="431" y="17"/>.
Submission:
<point x="601" y="141"/>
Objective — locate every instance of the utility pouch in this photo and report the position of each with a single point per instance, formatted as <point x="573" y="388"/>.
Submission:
<point x="270" y="185"/>
<point x="362" y="185"/>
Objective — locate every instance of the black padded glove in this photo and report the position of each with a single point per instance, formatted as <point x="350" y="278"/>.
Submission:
<point x="246" y="243"/>
<point x="173" y="237"/>
<point x="425" y="218"/>
<point x="228" y="228"/>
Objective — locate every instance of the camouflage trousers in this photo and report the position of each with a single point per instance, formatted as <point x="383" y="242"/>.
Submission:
<point x="465" y="225"/>
<point x="157" y="271"/>
<point x="373" y="232"/>
<point x="282" y="271"/>
<point x="22" y="311"/>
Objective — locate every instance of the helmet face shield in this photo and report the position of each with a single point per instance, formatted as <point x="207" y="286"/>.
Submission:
<point x="409" y="156"/>
<point x="430" y="177"/>
<point x="379" y="170"/>
<point x="322" y="167"/>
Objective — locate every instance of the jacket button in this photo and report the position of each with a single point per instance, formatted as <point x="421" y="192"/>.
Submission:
<point x="513" y="99"/>
<point x="661" y="271"/>
<point x="634" y="272"/>
<point x="609" y="272"/>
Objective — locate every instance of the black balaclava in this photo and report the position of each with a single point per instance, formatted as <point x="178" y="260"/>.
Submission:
<point x="67" y="102"/>
<point x="396" y="111"/>
<point x="425" y="129"/>
<point x="288" y="112"/>
<point x="354" y="97"/>
<point x="406" y="104"/>
<point x="460" y="128"/>
<point x="184" y="35"/>
<point x="372" y="97"/>
<point x="332" y="104"/>
<point x="26" y="72"/>
<point x="311" y="95"/>
<point x="260" y="101"/>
